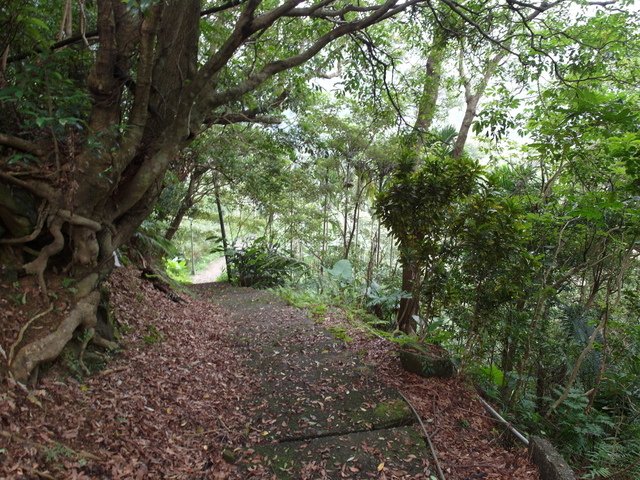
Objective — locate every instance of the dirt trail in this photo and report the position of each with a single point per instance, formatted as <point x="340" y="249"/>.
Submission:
<point x="318" y="412"/>
<point x="329" y="409"/>
<point x="211" y="273"/>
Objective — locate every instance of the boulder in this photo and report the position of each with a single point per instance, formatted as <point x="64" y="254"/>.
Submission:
<point x="433" y="361"/>
<point x="549" y="462"/>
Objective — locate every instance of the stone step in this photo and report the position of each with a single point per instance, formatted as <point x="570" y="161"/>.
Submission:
<point x="400" y="451"/>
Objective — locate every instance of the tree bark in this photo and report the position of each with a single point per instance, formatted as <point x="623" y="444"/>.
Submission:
<point x="427" y="105"/>
<point x="472" y="98"/>
<point x="409" y="307"/>
<point x="223" y="231"/>
<point x="411" y="279"/>
<point x="187" y="202"/>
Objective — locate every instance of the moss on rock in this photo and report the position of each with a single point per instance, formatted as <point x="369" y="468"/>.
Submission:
<point x="427" y="364"/>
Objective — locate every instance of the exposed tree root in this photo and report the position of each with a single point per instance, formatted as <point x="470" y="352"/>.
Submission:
<point x="39" y="265"/>
<point x="89" y="334"/>
<point x="50" y="346"/>
<point x="103" y="342"/>
<point x="43" y="214"/>
<point x="159" y="284"/>
<point x="23" y="330"/>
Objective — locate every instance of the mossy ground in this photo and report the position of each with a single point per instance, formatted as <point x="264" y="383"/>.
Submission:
<point x="356" y="455"/>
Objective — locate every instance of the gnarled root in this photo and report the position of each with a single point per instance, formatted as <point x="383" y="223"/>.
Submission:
<point x="100" y="341"/>
<point x="50" y="346"/>
<point x="39" y="265"/>
<point x="89" y="333"/>
<point x="86" y="246"/>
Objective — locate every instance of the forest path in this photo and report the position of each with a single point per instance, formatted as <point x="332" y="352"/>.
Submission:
<point x="318" y="410"/>
<point x="211" y="273"/>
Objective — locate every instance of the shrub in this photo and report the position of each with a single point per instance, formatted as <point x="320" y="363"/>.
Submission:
<point x="263" y="265"/>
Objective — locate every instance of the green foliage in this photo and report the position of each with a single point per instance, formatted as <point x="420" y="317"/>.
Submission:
<point x="615" y="458"/>
<point x="318" y="311"/>
<point x="177" y="269"/>
<point x="418" y="205"/>
<point x="150" y="238"/>
<point x="576" y="429"/>
<point x="342" y="272"/>
<point x="384" y="302"/>
<point x="436" y="331"/>
<point x="489" y="378"/>
<point x="264" y="265"/>
<point x="340" y="333"/>
<point x="57" y="452"/>
<point x="153" y="335"/>
<point x="302" y="298"/>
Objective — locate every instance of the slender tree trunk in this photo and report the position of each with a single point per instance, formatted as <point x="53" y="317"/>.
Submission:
<point x="187" y="202"/>
<point x="431" y="86"/>
<point x="472" y="99"/>
<point x="373" y="258"/>
<point x="223" y="232"/>
<point x="357" y="229"/>
<point x="325" y="221"/>
<point x="379" y="252"/>
<point x="345" y="214"/>
<point x="409" y="307"/>
<point x="354" y="221"/>
<point x="177" y="220"/>
<point x="268" y="228"/>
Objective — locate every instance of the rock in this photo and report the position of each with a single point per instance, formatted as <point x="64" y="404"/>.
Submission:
<point x="549" y="462"/>
<point x="435" y="363"/>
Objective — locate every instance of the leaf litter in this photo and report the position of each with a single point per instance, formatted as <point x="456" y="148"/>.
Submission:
<point x="162" y="409"/>
<point x="469" y="443"/>
<point x="183" y="406"/>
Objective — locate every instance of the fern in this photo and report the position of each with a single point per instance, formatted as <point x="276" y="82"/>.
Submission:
<point x="150" y="236"/>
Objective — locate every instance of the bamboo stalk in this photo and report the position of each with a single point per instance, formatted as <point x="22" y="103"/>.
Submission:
<point x="499" y="417"/>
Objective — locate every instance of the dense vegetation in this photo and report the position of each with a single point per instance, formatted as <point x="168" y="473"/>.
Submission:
<point x="311" y="144"/>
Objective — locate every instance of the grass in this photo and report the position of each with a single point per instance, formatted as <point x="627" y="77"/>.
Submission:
<point x="340" y="333"/>
<point x="153" y="335"/>
<point x="56" y="452"/>
<point x="318" y="304"/>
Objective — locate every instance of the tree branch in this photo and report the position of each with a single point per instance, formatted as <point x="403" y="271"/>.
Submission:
<point x="385" y="10"/>
<point x="221" y="8"/>
<point x="244" y="117"/>
<point x="23" y="145"/>
<point x="40" y="189"/>
<point x="78" y="220"/>
<point x="142" y="93"/>
<point x="80" y="38"/>
<point x="42" y="216"/>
